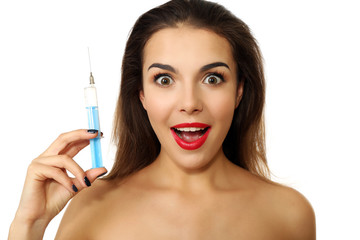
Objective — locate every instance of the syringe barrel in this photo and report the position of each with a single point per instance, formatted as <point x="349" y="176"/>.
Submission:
<point x="90" y="96"/>
<point x="93" y="123"/>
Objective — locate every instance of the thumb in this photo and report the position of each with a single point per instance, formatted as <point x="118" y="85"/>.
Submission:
<point x="94" y="173"/>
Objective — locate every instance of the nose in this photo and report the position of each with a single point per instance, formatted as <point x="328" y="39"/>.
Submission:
<point x="190" y="100"/>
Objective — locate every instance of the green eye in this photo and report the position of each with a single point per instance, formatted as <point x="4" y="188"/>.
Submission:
<point x="163" y="80"/>
<point x="214" y="79"/>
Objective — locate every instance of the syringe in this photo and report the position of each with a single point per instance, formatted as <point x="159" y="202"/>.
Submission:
<point x="91" y="104"/>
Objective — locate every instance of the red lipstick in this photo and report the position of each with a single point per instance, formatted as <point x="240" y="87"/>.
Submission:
<point x="190" y="136"/>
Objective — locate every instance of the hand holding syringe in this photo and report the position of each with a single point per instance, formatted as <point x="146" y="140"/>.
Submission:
<point x="48" y="187"/>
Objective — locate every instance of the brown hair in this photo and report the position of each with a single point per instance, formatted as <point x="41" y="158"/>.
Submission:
<point x="137" y="144"/>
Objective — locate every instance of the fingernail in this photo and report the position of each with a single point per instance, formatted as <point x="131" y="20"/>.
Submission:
<point x="101" y="175"/>
<point x="93" y="131"/>
<point x="87" y="182"/>
<point x="74" y="188"/>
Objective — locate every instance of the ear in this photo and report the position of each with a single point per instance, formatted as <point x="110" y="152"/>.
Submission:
<point x="239" y="93"/>
<point x="142" y="98"/>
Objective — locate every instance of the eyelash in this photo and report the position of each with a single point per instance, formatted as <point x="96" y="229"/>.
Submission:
<point x="159" y="75"/>
<point x="216" y="74"/>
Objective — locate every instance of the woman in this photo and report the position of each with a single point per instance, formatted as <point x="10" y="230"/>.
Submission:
<point x="189" y="127"/>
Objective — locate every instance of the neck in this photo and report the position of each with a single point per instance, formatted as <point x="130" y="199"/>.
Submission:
<point x="213" y="175"/>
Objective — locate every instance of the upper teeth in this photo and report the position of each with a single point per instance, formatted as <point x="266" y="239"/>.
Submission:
<point x="190" y="129"/>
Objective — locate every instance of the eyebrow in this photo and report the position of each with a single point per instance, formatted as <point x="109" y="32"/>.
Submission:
<point x="202" y="69"/>
<point x="162" y="66"/>
<point x="213" y="65"/>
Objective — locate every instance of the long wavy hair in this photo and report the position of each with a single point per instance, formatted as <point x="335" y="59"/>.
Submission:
<point x="137" y="143"/>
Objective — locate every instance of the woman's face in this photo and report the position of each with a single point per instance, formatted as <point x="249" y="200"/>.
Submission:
<point x="190" y="93"/>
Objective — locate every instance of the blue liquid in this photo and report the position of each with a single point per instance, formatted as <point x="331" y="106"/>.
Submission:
<point x="95" y="146"/>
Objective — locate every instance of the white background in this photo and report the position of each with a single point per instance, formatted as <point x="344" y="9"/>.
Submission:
<point x="311" y="51"/>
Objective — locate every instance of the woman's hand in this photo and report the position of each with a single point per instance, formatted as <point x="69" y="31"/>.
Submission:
<point x="48" y="188"/>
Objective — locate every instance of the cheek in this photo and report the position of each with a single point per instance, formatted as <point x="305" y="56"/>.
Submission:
<point x="224" y="111"/>
<point x="222" y="106"/>
<point x="158" y="108"/>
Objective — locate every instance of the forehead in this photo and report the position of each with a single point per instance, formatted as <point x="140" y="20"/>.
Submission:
<point x="189" y="45"/>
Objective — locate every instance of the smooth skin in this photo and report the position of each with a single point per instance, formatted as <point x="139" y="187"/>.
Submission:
<point x="188" y="194"/>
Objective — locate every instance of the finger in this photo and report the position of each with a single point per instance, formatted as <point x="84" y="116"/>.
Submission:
<point x="94" y="173"/>
<point x="91" y="175"/>
<point x="42" y="172"/>
<point x="65" y="139"/>
<point x="65" y="162"/>
<point x="74" y="148"/>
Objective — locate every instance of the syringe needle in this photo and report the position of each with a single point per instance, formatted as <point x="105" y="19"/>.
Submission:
<point x="89" y="58"/>
<point x="91" y="76"/>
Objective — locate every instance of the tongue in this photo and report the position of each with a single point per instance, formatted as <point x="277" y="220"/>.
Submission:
<point x="190" y="136"/>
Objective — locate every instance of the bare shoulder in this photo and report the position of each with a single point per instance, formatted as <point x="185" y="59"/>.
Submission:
<point x="293" y="210"/>
<point x="83" y="209"/>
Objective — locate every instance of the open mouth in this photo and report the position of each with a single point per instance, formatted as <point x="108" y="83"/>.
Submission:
<point x="190" y="136"/>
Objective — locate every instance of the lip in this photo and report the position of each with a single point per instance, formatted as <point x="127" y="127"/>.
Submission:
<point x="191" y="145"/>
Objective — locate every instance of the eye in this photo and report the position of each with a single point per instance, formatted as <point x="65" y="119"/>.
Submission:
<point x="163" y="80"/>
<point x="214" y="79"/>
